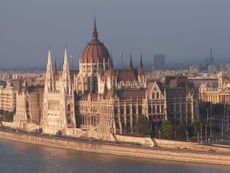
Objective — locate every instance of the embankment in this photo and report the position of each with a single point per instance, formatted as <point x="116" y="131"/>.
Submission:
<point x="132" y="151"/>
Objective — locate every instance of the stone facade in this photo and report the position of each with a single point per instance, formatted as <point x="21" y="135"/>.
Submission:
<point x="106" y="100"/>
<point x="29" y="105"/>
<point x="58" y="105"/>
<point x="7" y="98"/>
<point x="219" y="94"/>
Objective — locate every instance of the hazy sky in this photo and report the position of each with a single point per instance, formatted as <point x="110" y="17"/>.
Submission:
<point x="183" y="30"/>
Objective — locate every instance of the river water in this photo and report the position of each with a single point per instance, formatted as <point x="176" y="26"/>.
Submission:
<point x="27" y="158"/>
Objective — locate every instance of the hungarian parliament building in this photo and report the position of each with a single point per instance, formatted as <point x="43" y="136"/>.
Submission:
<point x="101" y="98"/>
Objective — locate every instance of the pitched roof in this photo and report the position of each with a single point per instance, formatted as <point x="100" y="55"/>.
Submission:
<point x="131" y="94"/>
<point x="127" y="75"/>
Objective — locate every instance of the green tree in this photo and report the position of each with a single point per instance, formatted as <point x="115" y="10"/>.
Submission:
<point x="167" y="130"/>
<point x="142" y="127"/>
<point x="8" y="116"/>
<point x="180" y="131"/>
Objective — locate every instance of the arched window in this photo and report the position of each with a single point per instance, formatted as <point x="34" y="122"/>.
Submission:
<point x="153" y="95"/>
<point x="134" y="109"/>
<point x="149" y="109"/>
<point x="121" y="110"/>
<point x="153" y="109"/>
<point x="162" y="108"/>
<point x="158" y="109"/>
<point x="140" y="109"/>
<point x="128" y="110"/>
<point x="68" y="107"/>
<point x="157" y="95"/>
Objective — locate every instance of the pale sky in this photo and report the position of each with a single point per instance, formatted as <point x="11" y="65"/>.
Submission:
<point x="183" y="30"/>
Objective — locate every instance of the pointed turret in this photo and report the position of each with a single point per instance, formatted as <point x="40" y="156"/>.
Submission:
<point x="141" y="68"/>
<point x="66" y="61"/>
<point x="55" y="67"/>
<point x="49" y="83"/>
<point x="111" y="61"/>
<point x="95" y="33"/>
<point x="131" y="61"/>
<point x="141" y="61"/>
<point x="66" y="73"/>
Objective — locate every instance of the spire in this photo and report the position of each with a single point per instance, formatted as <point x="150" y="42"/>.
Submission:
<point x="141" y="63"/>
<point x="49" y="83"/>
<point x="49" y="57"/>
<point x="111" y="61"/>
<point x="131" y="61"/>
<point x="141" y="69"/>
<point x="66" y="62"/>
<point x="95" y="34"/>
<point x="66" y="74"/>
<point x="55" y="66"/>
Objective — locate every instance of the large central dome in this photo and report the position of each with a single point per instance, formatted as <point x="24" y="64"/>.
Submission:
<point x="95" y="51"/>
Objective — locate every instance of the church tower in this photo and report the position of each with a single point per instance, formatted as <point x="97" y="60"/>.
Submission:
<point x="67" y="101"/>
<point x="58" y="103"/>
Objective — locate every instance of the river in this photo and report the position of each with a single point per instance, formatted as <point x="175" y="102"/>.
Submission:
<point x="27" y="158"/>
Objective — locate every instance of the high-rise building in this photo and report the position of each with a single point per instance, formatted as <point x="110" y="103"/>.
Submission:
<point x="159" y="62"/>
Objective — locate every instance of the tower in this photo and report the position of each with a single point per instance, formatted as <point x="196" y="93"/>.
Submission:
<point x="49" y="82"/>
<point x="141" y="71"/>
<point x="67" y="94"/>
<point x="131" y="61"/>
<point x="58" y="102"/>
<point x="159" y="62"/>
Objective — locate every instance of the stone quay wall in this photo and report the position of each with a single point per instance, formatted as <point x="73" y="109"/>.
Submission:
<point x="100" y="147"/>
<point x="173" y="144"/>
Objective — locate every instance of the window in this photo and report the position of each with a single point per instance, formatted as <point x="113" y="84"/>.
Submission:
<point x="128" y="110"/>
<point x="122" y="110"/>
<point x="153" y="95"/>
<point x="149" y="109"/>
<point x="157" y="95"/>
<point x="115" y="110"/>
<point x="134" y="110"/>
<point x="140" y="109"/>
<point x="177" y="107"/>
<point x="162" y="108"/>
<point x="153" y="109"/>
<point x="68" y="107"/>
<point x="158" y="109"/>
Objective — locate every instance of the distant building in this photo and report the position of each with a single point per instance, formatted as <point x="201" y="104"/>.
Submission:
<point x="194" y="69"/>
<point x="29" y="105"/>
<point x="212" y="69"/>
<point x="219" y="94"/>
<point x="159" y="62"/>
<point x="182" y="99"/>
<point x="7" y="98"/>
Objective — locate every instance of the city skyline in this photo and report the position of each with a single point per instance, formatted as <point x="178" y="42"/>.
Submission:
<point x="26" y="33"/>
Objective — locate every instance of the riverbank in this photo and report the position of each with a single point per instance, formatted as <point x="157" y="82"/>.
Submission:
<point x="124" y="150"/>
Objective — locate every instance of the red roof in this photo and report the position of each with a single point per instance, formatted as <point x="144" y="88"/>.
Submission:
<point x="127" y="75"/>
<point x="131" y="94"/>
<point x="95" y="51"/>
